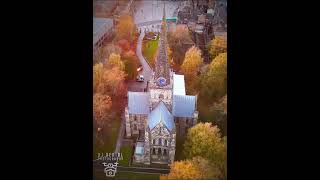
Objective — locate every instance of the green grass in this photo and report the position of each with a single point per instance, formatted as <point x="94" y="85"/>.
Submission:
<point x="110" y="135"/>
<point x="126" y="153"/>
<point x="136" y="176"/>
<point x="149" y="50"/>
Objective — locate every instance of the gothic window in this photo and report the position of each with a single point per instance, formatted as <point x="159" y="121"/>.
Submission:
<point x="153" y="151"/>
<point x="154" y="141"/>
<point x="159" y="150"/>
<point x="164" y="152"/>
<point x="165" y="142"/>
<point x="160" y="141"/>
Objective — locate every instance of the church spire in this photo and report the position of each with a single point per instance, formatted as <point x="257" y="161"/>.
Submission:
<point x="162" y="72"/>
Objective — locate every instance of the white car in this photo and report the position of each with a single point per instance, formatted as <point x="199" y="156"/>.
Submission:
<point x="140" y="78"/>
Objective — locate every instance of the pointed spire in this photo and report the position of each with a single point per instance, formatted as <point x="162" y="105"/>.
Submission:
<point x="162" y="73"/>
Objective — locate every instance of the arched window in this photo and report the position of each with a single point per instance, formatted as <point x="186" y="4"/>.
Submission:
<point x="153" y="151"/>
<point x="165" y="142"/>
<point x="154" y="141"/>
<point x="159" y="150"/>
<point x="160" y="141"/>
<point x="164" y="152"/>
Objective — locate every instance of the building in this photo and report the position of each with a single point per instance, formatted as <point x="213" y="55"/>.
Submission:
<point x="103" y="28"/>
<point x="160" y="114"/>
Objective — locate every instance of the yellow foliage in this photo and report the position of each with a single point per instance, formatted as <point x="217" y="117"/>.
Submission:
<point x="126" y="28"/>
<point x="114" y="60"/>
<point x="97" y="75"/>
<point x="191" y="63"/>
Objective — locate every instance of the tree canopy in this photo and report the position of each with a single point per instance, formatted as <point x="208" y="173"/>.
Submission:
<point x="204" y="140"/>
<point x="218" y="45"/>
<point x="191" y="63"/>
<point x="101" y="106"/>
<point x="126" y="28"/>
<point x="213" y="82"/>
<point x="179" y="41"/>
<point x="114" y="60"/>
<point x="196" y="168"/>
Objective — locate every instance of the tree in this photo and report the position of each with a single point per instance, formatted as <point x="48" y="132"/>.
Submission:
<point x="191" y="63"/>
<point x="196" y="168"/>
<point x="101" y="106"/>
<point x="213" y="83"/>
<point x="218" y="45"/>
<point x="113" y="82"/>
<point x="179" y="41"/>
<point x="114" y="60"/>
<point x="131" y="64"/>
<point x="126" y="28"/>
<point x="97" y="75"/>
<point x="204" y="140"/>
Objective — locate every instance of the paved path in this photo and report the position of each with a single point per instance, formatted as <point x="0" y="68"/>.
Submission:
<point x="147" y="71"/>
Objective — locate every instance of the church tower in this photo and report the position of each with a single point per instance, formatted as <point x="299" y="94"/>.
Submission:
<point x="161" y="84"/>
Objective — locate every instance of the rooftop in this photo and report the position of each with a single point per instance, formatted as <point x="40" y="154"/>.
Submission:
<point x="183" y="105"/>
<point x="178" y="85"/>
<point x="138" y="102"/>
<point x="160" y="114"/>
<point x="101" y="26"/>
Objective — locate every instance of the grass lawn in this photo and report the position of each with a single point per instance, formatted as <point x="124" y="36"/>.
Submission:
<point x="110" y="135"/>
<point x="136" y="176"/>
<point x="149" y="50"/>
<point x="126" y="153"/>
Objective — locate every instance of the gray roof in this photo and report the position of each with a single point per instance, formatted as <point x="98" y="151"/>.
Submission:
<point x="161" y="113"/>
<point x="138" y="102"/>
<point x="183" y="105"/>
<point x="100" y="27"/>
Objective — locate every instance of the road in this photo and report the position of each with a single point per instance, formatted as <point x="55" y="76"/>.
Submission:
<point x="120" y="134"/>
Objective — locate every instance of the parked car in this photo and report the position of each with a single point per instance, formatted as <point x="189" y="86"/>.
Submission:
<point x="140" y="68"/>
<point x="140" y="78"/>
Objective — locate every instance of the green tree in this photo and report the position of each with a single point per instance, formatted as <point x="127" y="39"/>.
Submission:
<point x="213" y="82"/>
<point x="204" y="140"/>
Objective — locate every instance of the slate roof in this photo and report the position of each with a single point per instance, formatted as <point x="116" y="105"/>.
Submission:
<point x="138" y="102"/>
<point x="178" y="85"/>
<point x="160" y="113"/>
<point x="183" y="105"/>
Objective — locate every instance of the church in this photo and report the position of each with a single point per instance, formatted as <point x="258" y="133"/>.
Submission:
<point x="162" y="113"/>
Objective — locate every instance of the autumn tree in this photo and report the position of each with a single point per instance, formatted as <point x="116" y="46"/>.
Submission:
<point x="131" y="63"/>
<point x="126" y="28"/>
<point x="191" y="63"/>
<point x="114" y="60"/>
<point x="179" y="41"/>
<point x="213" y="82"/>
<point x="196" y="168"/>
<point x="113" y="82"/>
<point x="101" y="106"/>
<point x="204" y="140"/>
<point x="218" y="45"/>
<point x="97" y="75"/>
